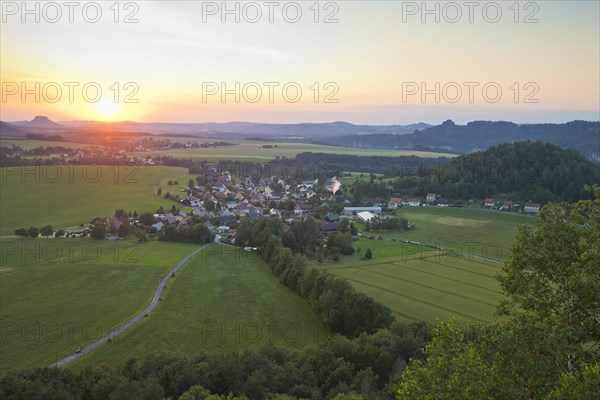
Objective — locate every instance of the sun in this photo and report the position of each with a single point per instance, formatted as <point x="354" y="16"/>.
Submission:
<point x="107" y="108"/>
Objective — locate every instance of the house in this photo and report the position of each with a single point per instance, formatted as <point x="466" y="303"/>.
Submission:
<point x="490" y="202"/>
<point x="507" y="205"/>
<point x="199" y="211"/>
<point x="170" y="218"/>
<point x="430" y="197"/>
<point x="329" y="227"/>
<point x="532" y="208"/>
<point x="332" y="217"/>
<point x="365" y="216"/>
<point x="226" y="218"/>
<point x="208" y="225"/>
<point x="394" y="202"/>
<point x="414" y="202"/>
<point x="442" y="202"/>
<point x="356" y="210"/>
<point x="158" y="226"/>
<point x="222" y="229"/>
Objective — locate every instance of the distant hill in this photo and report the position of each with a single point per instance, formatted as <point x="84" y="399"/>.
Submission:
<point x="535" y="171"/>
<point x="243" y="130"/>
<point x="7" y="129"/>
<point x="39" y="121"/>
<point x="479" y="135"/>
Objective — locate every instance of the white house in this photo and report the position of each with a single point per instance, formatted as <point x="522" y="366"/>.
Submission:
<point x="532" y="208"/>
<point x="365" y="216"/>
<point x="352" y="210"/>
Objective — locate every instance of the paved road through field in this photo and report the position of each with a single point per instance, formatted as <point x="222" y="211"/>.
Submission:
<point x="135" y="319"/>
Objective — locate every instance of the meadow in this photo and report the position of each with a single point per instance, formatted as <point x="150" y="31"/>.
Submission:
<point x="468" y="230"/>
<point x="254" y="151"/>
<point x="66" y="196"/>
<point x="28" y="144"/>
<point x="60" y="294"/>
<point x="223" y="299"/>
<point x="421" y="284"/>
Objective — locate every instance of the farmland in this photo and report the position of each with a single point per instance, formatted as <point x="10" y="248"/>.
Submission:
<point x="64" y="196"/>
<point x="60" y="294"/>
<point x="28" y="144"/>
<point x="224" y="299"/>
<point x="470" y="230"/>
<point x="419" y="283"/>
<point x="253" y="151"/>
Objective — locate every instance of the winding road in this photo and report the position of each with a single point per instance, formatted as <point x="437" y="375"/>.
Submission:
<point x="134" y="320"/>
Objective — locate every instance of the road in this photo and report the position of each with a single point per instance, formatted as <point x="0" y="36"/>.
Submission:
<point x="134" y="320"/>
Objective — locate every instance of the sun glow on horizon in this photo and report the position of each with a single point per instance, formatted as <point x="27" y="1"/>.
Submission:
<point x="107" y="109"/>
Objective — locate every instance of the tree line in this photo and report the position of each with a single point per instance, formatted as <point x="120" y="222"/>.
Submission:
<point x="337" y="304"/>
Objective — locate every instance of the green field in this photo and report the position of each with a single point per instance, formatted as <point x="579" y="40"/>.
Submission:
<point x="253" y="151"/>
<point x="64" y="196"/>
<point x="224" y="299"/>
<point x="27" y="144"/>
<point x="60" y="294"/>
<point x="418" y="283"/>
<point x="470" y="230"/>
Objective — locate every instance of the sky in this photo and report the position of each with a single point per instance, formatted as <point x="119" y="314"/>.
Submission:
<point x="365" y="62"/>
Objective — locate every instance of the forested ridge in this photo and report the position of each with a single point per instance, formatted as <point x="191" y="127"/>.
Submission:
<point x="584" y="136"/>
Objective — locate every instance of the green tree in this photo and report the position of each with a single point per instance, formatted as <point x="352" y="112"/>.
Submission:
<point x="210" y="205"/>
<point x="553" y="272"/>
<point x="584" y="385"/>
<point x="21" y="232"/>
<point x="33" y="232"/>
<point x="46" y="231"/>
<point x="123" y="230"/>
<point x="368" y="254"/>
<point x="147" y="219"/>
<point x="98" y="232"/>
<point x="195" y="393"/>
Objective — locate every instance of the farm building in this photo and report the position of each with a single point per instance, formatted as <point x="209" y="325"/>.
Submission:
<point x="352" y="210"/>
<point x="365" y="216"/>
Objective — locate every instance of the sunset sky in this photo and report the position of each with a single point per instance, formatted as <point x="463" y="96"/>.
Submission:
<point x="374" y="50"/>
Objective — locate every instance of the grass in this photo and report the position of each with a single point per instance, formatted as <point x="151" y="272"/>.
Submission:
<point x="27" y="144"/>
<point x="223" y="300"/>
<point x="65" y="196"/>
<point x="422" y="284"/>
<point x="253" y="151"/>
<point x="60" y="294"/>
<point x="472" y="231"/>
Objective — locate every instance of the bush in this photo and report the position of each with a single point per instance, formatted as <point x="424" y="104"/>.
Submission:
<point x="22" y="232"/>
